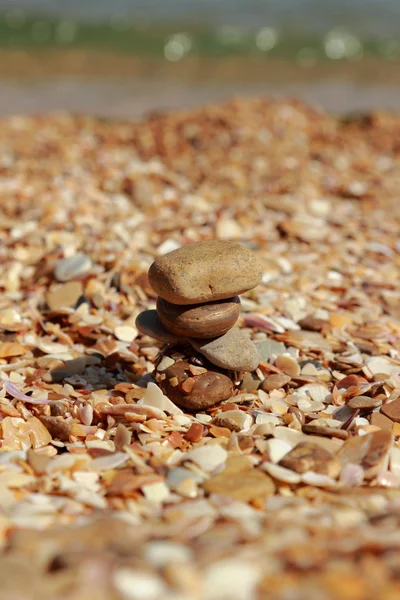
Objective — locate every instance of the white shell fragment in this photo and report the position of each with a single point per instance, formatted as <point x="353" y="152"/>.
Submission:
<point x="208" y="457"/>
<point x="281" y="473"/>
<point x="154" y="397"/>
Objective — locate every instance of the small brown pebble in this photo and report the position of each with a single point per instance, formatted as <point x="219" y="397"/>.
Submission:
<point x="199" y="320"/>
<point x="58" y="427"/>
<point x="379" y="420"/>
<point x="307" y="456"/>
<point x="209" y="389"/>
<point x="194" y="433"/>
<point x="325" y="431"/>
<point x="274" y="382"/>
<point x="364" y="402"/>
<point x="392" y="410"/>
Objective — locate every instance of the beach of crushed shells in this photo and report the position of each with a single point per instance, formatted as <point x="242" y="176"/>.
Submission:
<point x="291" y="489"/>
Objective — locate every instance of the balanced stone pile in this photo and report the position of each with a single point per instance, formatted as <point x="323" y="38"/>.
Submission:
<point x="197" y="307"/>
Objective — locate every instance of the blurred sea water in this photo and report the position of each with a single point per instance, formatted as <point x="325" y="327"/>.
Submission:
<point x="303" y="35"/>
<point x="291" y="29"/>
<point x="375" y="17"/>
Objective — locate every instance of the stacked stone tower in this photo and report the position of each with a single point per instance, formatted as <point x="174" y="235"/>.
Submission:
<point x="198" y="304"/>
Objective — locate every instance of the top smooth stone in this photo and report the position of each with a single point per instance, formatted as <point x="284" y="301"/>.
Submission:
<point x="205" y="271"/>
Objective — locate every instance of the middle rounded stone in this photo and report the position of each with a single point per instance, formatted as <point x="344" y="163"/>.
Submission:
<point x="199" y="320"/>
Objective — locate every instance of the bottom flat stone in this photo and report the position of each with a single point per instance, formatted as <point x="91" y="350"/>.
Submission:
<point x="233" y="351"/>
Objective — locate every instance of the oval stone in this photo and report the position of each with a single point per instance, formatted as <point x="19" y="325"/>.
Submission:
<point x="194" y="392"/>
<point x="204" y="272"/>
<point x="233" y="351"/>
<point x="199" y="320"/>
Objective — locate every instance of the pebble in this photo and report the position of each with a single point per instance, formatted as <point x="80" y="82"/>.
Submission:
<point x="307" y="456"/>
<point x="59" y="428"/>
<point x="274" y="382"/>
<point x="233" y="351"/>
<point x="195" y="392"/>
<point x="204" y="272"/>
<point x="148" y="323"/>
<point x="364" y="402"/>
<point x="71" y="267"/>
<point x="64" y="296"/>
<point x="392" y="410"/>
<point x="342" y="434"/>
<point x="199" y="321"/>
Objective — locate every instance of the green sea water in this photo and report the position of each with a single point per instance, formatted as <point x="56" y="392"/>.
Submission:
<point x="176" y="39"/>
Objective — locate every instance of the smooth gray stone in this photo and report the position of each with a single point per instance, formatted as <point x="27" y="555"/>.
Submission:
<point x="233" y="351"/>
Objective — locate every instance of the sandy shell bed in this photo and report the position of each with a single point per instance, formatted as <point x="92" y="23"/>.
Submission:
<point x="107" y="489"/>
